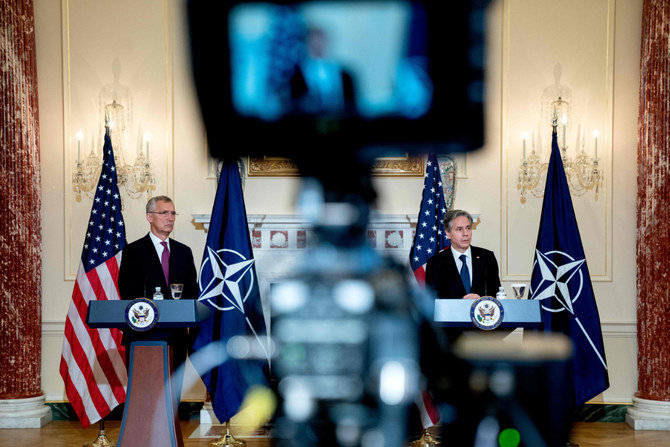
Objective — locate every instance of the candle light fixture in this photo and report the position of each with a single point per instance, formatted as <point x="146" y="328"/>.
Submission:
<point x="582" y="170"/>
<point x="135" y="180"/>
<point x="142" y="179"/>
<point x="86" y="173"/>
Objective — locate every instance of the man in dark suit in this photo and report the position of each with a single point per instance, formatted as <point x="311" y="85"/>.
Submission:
<point x="156" y="261"/>
<point x="320" y="84"/>
<point x="463" y="270"/>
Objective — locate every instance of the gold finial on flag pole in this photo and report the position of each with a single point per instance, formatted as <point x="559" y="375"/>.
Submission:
<point x="107" y="121"/>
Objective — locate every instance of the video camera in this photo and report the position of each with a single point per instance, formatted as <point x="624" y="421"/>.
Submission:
<point x="353" y="80"/>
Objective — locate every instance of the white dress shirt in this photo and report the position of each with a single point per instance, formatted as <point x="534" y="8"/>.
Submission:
<point x="157" y="244"/>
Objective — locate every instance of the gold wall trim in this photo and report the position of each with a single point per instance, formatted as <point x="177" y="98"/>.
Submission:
<point x="408" y="166"/>
<point x="272" y="167"/>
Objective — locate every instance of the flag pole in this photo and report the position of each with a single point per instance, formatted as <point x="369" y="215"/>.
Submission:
<point x="101" y="440"/>
<point x="227" y="440"/>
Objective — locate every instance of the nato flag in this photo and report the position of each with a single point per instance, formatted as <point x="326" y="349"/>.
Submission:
<point x="229" y="285"/>
<point x="561" y="280"/>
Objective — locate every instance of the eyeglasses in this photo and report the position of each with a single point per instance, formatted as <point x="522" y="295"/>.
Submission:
<point x="164" y="213"/>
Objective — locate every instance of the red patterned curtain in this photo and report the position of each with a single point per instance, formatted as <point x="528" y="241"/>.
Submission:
<point x="653" y="205"/>
<point x="20" y="205"/>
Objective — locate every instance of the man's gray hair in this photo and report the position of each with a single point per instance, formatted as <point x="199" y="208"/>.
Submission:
<point x="151" y="204"/>
<point x="453" y="214"/>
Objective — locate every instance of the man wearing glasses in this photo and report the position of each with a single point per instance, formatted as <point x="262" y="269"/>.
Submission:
<point x="156" y="260"/>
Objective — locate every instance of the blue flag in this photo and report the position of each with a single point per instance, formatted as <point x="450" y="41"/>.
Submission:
<point x="561" y="280"/>
<point x="229" y="285"/>
<point x="430" y="237"/>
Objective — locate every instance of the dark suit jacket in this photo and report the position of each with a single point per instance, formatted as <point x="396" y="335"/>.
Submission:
<point x="305" y="101"/>
<point x="447" y="374"/>
<point x="141" y="270"/>
<point x="139" y="275"/>
<point x="444" y="277"/>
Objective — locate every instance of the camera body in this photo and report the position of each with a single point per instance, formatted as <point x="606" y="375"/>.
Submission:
<point x="268" y="77"/>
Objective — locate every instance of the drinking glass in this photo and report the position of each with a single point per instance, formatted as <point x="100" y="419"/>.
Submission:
<point x="519" y="290"/>
<point x="176" y="290"/>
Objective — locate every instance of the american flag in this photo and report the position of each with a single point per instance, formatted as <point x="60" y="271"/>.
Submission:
<point x="429" y="240"/>
<point x="93" y="360"/>
<point x="430" y="236"/>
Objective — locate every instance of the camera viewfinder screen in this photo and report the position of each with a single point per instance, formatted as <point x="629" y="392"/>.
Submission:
<point x="329" y="58"/>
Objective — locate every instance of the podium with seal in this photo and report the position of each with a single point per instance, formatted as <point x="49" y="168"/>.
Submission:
<point x="534" y="401"/>
<point x="150" y="415"/>
<point x="488" y="313"/>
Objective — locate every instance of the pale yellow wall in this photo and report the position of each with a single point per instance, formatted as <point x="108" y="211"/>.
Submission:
<point x="155" y="67"/>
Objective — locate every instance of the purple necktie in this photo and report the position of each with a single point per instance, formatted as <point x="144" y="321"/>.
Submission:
<point x="165" y="262"/>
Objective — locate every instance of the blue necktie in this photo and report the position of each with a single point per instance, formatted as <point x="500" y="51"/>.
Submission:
<point x="465" y="273"/>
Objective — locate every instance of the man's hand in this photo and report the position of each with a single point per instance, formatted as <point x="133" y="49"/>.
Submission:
<point x="471" y="296"/>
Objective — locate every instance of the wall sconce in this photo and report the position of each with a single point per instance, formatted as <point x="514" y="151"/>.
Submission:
<point x="582" y="171"/>
<point x="87" y="173"/>
<point x="135" y="180"/>
<point x="140" y="178"/>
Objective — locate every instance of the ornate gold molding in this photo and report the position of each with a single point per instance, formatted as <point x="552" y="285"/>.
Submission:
<point x="272" y="167"/>
<point x="407" y="166"/>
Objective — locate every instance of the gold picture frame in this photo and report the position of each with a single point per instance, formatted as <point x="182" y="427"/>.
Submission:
<point x="406" y="166"/>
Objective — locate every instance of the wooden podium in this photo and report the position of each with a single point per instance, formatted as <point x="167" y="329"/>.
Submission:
<point x="150" y="415"/>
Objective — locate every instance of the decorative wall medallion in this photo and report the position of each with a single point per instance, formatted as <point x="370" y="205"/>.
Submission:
<point x="279" y="239"/>
<point x="393" y="239"/>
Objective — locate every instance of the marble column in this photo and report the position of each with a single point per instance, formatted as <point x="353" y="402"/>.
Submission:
<point x="21" y="398"/>
<point x="651" y="403"/>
